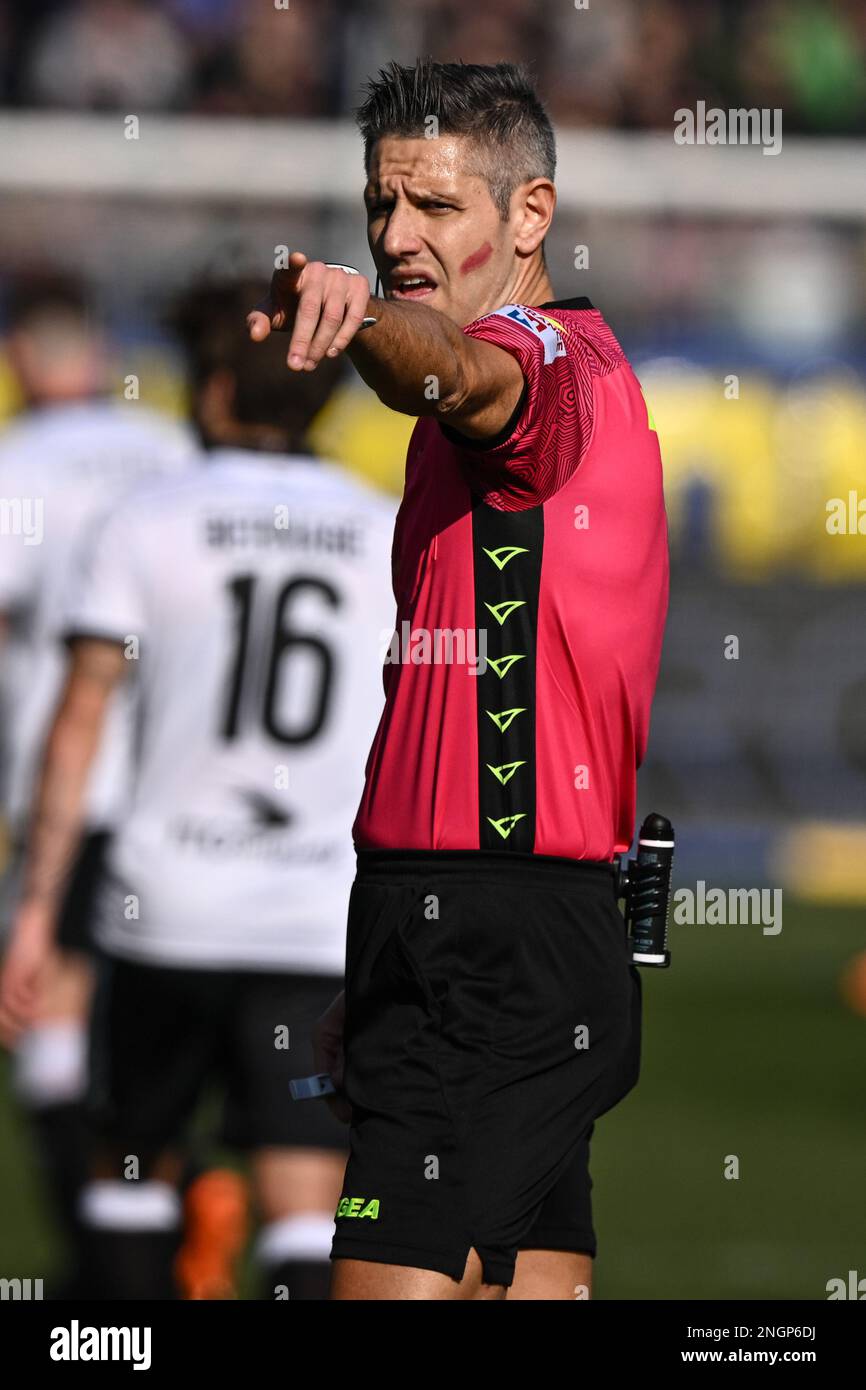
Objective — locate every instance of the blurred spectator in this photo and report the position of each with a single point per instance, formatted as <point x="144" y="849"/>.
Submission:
<point x="278" y="63"/>
<point x="666" y="70"/>
<point x="513" y="32"/>
<point x="590" y="63"/>
<point x="810" y="60"/>
<point x="109" y="54"/>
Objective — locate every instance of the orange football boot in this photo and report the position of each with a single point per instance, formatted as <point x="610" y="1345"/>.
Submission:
<point x="216" y="1225"/>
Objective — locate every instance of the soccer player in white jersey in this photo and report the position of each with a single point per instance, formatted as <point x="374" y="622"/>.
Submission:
<point x="66" y="456"/>
<point x="247" y="606"/>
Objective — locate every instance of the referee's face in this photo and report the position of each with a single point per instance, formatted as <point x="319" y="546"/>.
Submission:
<point x="434" y="230"/>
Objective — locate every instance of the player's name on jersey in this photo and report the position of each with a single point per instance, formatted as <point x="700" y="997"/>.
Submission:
<point x="280" y="531"/>
<point x="269" y="836"/>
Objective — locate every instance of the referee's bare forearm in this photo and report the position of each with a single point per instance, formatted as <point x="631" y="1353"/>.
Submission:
<point x="420" y="363"/>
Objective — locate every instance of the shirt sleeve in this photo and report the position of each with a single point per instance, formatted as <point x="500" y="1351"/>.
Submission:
<point x="104" y="592"/>
<point x="541" y="446"/>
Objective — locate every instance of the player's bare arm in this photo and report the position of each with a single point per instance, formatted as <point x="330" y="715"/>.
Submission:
<point x="96" y="668"/>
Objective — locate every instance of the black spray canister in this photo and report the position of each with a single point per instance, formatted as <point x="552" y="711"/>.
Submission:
<point x="645" y="884"/>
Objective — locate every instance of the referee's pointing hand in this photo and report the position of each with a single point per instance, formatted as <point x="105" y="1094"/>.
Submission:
<point x="323" y="307"/>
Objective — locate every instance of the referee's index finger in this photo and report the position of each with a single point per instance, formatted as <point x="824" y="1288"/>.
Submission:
<point x="270" y="314"/>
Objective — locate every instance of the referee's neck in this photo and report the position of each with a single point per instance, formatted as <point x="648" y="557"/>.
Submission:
<point x="532" y="284"/>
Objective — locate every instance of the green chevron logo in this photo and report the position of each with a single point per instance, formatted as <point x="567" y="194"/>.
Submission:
<point x="501" y="611"/>
<point x="505" y="662"/>
<point x="505" y="771"/>
<point x="506" y="824"/>
<point x="504" y="553"/>
<point x="504" y="717"/>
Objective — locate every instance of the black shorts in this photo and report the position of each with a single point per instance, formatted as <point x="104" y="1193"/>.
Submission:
<point x="75" y="923"/>
<point x="492" y="1015"/>
<point x="564" y="1220"/>
<point x="161" y="1037"/>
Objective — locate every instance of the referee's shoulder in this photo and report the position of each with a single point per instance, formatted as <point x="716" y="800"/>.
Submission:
<point x="577" y="322"/>
<point x="586" y="326"/>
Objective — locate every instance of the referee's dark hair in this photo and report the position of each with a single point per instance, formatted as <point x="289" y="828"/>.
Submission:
<point x="271" y="408"/>
<point x="496" y="105"/>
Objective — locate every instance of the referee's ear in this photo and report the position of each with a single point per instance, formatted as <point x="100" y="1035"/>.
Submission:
<point x="533" y="206"/>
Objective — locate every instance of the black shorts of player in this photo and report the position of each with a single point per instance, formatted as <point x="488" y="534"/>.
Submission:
<point x="492" y="1015"/>
<point x="75" y="923"/>
<point x="162" y="1039"/>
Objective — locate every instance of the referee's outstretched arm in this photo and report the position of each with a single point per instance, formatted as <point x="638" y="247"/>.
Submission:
<point x="476" y="385"/>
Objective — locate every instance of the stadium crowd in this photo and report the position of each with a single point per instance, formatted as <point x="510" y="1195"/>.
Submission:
<point x="638" y="62"/>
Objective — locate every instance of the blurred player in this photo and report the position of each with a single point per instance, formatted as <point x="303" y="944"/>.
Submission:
<point x="483" y="933"/>
<point x="71" y="451"/>
<point x="247" y="606"/>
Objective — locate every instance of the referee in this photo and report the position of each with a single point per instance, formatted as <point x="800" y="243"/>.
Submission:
<point x="491" y="1011"/>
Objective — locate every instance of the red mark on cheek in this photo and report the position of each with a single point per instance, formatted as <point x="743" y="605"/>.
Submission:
<point x="477" y="259"/>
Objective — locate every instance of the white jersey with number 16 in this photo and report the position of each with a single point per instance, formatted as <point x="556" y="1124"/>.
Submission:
<point x="251" y="599"/>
